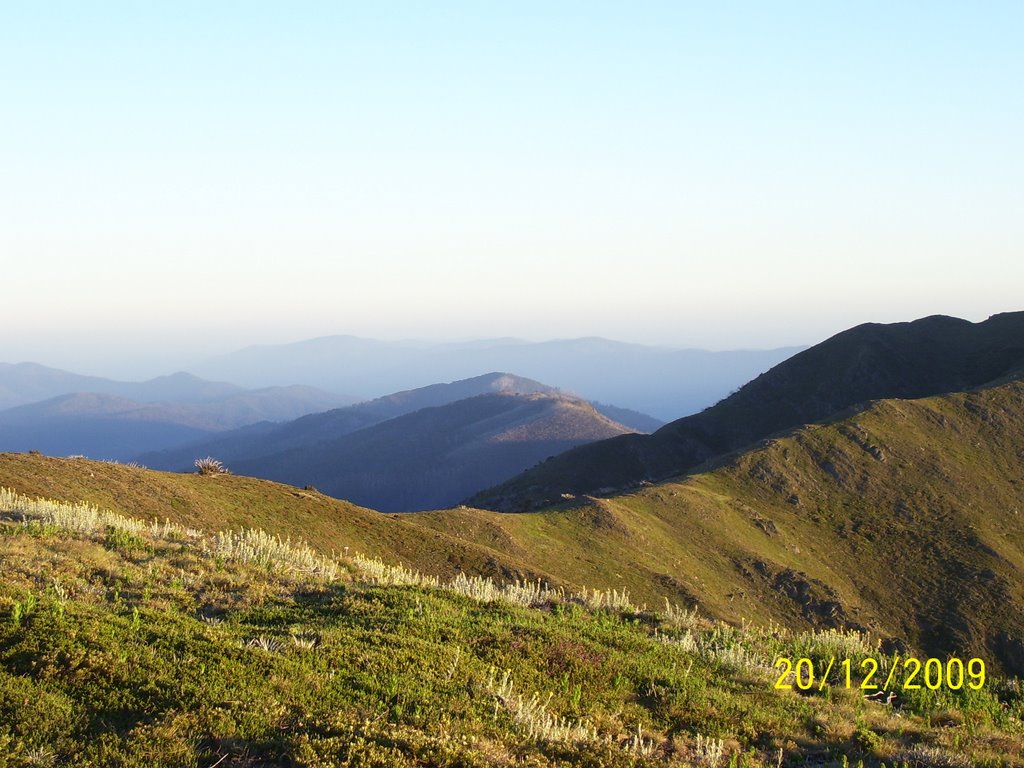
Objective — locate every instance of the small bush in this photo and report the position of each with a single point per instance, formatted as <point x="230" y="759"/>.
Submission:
<point x="210" y="466"/>
<point x="122" y="540"/>
<point x="866" y="739"/>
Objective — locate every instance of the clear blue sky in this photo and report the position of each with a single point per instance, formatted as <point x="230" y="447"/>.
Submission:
<point x="182" y="178"/>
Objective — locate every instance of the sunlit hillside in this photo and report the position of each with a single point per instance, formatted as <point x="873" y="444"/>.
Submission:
<point x="145" y="644"/>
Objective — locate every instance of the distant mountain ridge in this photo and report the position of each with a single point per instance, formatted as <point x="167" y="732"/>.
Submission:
<point x="99" y="426"/>
<point x="663" y="382"/>
<point x="262" y="439"/>
<point x="433" y="457"/>
<point x="417" y="449"/>
<point x="25" y="383"/>
<point x="63" y="413"/>
<point x="872" y="361"/>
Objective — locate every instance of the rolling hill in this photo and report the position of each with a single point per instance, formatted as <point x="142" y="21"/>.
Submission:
<point x="872" y="361"/>
<point x="903" y="519"/>
<point x="231" y="502"/>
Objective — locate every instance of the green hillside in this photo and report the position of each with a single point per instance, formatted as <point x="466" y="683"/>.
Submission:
<point x="903" y="520"/>
<point x="230" y="502"/>
<point x="129" y="644"/>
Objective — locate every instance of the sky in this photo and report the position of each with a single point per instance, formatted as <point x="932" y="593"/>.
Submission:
<point x="182" y="179"/>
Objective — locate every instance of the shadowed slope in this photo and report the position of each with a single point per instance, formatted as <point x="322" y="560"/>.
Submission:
<point x="264" y="440"/>
<point x="101" y="426"/>
<point x="436" y="456"/>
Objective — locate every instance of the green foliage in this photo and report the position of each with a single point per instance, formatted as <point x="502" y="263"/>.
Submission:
<point x="161" y="645"/>
<point x="866" y="739"/>
<point x="21" y="609"/>
<point x="123" y="540"/>
<point x="186" y="657"/>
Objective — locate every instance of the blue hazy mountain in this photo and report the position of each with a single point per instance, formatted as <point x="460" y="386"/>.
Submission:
<point x="660" y="381"/>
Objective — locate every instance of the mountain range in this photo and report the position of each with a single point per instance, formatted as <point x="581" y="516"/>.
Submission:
<point x="664" y="382"/>
<point x="62" y="413"/>
<point x="417" y="449"/>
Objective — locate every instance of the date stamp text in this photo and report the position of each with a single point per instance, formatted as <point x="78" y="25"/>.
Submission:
<point x="882" y="674"/>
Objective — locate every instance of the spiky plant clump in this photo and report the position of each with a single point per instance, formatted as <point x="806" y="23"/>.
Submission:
<point x="532" y="714"/>
<point x="210" y="466"/>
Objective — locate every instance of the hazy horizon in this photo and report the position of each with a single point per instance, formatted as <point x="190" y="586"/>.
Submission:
<point x="124" y="364"/>
<point x="183" y="181"/>
<point x="127" y="364"/>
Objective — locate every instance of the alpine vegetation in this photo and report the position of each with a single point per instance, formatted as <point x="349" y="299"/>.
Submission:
<point x="210" y="466"/>
<point x="249" y="648"/>
<point x="532" y="713"/>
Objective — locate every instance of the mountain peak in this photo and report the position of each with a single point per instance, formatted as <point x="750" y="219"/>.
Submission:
<point x="506" y="382"/>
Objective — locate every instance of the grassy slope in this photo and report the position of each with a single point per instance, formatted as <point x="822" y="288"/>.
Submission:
<point x="152" y="649"/>
<point x="910" y="511"/>
<point x="902" y="519"/>
<point x="224" y="502"/>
